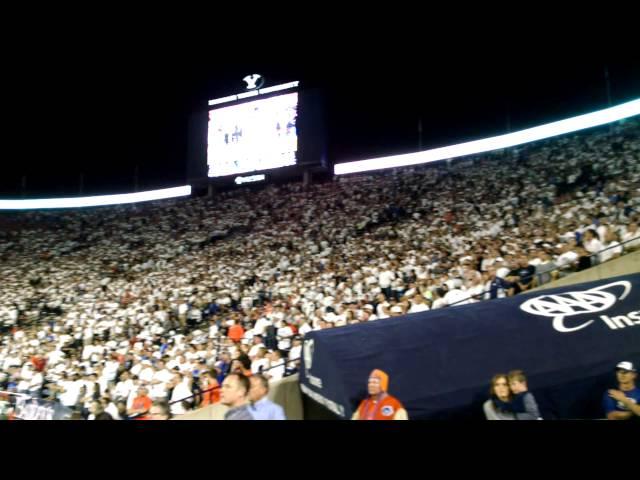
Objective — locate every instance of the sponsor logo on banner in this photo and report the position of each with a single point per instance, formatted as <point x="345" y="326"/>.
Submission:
<point x="582" y="303"/>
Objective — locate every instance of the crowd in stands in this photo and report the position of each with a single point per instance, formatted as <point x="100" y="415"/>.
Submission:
<point x="110" y="309"/>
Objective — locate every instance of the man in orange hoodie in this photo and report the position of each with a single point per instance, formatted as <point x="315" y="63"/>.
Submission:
<point x="379" y="405"/>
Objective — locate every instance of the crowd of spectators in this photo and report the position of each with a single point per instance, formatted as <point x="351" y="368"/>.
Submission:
<point x="108" y="310"/>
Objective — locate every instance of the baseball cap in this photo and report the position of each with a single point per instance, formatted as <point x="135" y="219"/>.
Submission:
<point x="626" y="366"/>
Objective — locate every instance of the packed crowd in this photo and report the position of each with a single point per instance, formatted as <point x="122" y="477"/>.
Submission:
<point x="110" y="309"/>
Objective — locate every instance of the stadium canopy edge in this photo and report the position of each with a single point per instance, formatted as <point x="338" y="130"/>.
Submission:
<point x="95" y="201"/>
<point x="574" y="124"/>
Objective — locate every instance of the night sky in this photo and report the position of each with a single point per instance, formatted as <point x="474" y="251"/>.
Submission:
<point x="104" y="112"/>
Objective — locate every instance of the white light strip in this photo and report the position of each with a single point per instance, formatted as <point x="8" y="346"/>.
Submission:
<point x="253" y="178"/>
<point x="262" y="91"/>
<point x="277" y="88"/>
<point x="548" y="130"/>
<point x="99" y="200"/>
<point x="230" y="98"/>
<point x="253" y="93"/>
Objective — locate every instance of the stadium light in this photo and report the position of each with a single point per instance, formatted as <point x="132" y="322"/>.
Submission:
<point x="581" y="122"/>
<point x="253" y="178"/>
<point x="95" y="201"/>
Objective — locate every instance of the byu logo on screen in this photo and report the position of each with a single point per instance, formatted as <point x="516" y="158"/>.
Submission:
<point x="254" y="81"/>
<point x="580" y="303"/>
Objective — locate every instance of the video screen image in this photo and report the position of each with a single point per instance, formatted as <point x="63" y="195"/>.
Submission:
<point x="253" y="136"/>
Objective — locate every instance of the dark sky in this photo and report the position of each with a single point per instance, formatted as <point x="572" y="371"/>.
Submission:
<point x="102" y="112"/>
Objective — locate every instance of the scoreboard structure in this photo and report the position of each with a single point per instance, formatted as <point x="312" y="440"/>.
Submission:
<point x="258" y="135"/>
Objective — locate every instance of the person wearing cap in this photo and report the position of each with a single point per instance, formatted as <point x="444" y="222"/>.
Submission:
<point x="623" y="403"/>
<point x="379" y="405"/>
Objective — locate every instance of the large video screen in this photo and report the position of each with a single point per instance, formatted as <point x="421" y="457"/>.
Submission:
<point x="253" y="136"/>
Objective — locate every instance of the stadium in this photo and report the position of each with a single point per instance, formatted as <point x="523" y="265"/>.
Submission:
<point x="298" y="261"/>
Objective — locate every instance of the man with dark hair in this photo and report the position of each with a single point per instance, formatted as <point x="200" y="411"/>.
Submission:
<point x="623" y="403"/>
<point x="261" y="407"/>
<point x="522" y="277"/>
<point x="160" y="410"/>
<point x="234" y="394"/>
<point x="97" y="412"/>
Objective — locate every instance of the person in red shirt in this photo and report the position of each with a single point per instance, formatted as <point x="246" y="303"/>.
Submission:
<point x="236" y="332"/>
<point x="379" y="405"/>
<point x="208" y="382"/>
<point x="241" y="366"/>
<point x="141" y="404"/>
<point x="38" y="362"/>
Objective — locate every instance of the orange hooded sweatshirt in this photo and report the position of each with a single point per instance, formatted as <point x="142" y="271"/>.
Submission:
<point x="382" y="406"/>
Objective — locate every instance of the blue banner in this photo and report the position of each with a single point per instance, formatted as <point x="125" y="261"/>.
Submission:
<point x="440" y="362"/>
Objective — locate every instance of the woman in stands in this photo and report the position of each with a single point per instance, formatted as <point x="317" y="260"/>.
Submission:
<point x="496" y="408"/>
<point x="591" y="243"/>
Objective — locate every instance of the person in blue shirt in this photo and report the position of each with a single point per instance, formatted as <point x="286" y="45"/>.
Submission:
<point x="623" y="403"/>
<point x="261" y="407"/>
<point x="523" y="403"/>
<point x="223" y="366"/>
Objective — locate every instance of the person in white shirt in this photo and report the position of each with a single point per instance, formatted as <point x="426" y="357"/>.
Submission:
<point x="456" y="296"/>
<point x="261" y="324"/>
<point x="70" y="391"/>
<point x="612" y="246"/>
<point x="124" y="387"/>
<point x="181" y="391"/>
<point x="296" y="349"/>
<point x="418" y="304"/>
<point x="260" y="362"/>
<point x="592" y="243"/>
<point x="147" y="372"/>
<point x="439" y="301"/>
<point x="257" y="345"/>
<point x="568" y="256"/>
<point x="112" y="409"/>
<point x="276" y="366"/>
<point x="111" y="369"/>
<point x="384" y="281"/>
<point x="161" y="379"/>
<point x="382" y="306"/>
<point x="136" y="369"/>
<point x="632" y="235"/>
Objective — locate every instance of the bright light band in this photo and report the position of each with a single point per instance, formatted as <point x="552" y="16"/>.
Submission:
<point x="96" y="201"/>
<point x="548" y="130"/>
<point x="262" y="91"/>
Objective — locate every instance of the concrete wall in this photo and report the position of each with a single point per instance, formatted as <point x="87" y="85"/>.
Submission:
<point x="625" y="265"/>
<point x="286" y="393"/>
